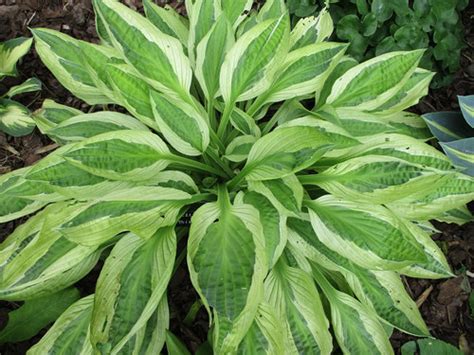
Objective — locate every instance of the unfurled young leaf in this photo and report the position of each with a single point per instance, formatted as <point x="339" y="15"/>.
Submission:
<point x="288" y="177"/>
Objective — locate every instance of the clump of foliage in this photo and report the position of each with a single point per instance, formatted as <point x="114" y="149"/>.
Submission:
<point x="374" y="27"/>
<point x="303" y="220"/>
<point x="15" y="119"/>
<point x="455" y="132"/>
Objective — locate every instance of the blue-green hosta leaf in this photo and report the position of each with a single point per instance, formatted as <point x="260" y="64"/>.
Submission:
<point x="369" y="235"/>
<point x="415" y="88"/>
<point x="378" y="179"/>
<point x="252" y="62"/>
<point x="120" y="155"/>
<point x="466" y="103"/>
<point x="380" y="290"/>
<point x="167" y="20"/>
<point x="372" y="83"/>
<point x="266" y="334"/>
<point x="43" y="260"/>
<point x="286" y="194"/>
<point x="30" y="85"/>
<point x="455" y="191"/>
<point x="312" y="30"/>
<point x="461" y="153"/>
<point x="133" y="93"/>
<point x="227" y="262"/>
<point x="140" y="210"/>
<point x="273" y="223"/>
<point x="293" y="147"/>
<point x="210" y="54"/>
<point x="448" y="126"/>
<point x="201" y="19"/>
<point x="89" y="125"/>
<point x="239" y="148"/>
<point x="158" y="57"/>
<point x="62" y="55"/>
<point x="11" y="52"/>
<point x="236" y="10"/>
<point x="15" y="119"/>
<point x="305" y="71"/>
<point x="129" y="289"/>
<point x="292" y="293"/>
<point x="51" y="114"/>
<point x="182" y="125"/>
<point x="26" y="321"/>
<point x="70" y="333"/>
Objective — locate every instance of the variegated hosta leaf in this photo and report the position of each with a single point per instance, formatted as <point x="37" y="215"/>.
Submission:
<point x="210" y="54"/>
<point x="30" y="85"/>
<point x="167" y="20"/>
<point x="62" y="55"/>
<point x="129" y="289"/>
<point x="239" y="148"/>
<point x="286" y="194"/>
<point x="369" y="235"/>
<point x="158" y="57"/>
<point x="312" y="30"/>
<point x="273" y="223"/>
<point x="133" y="93"/>
<point x="11" y="52"/>
<point x="37" y="259"/>
<point x="70" y="333"/>
<point x="460" y="215"/>
<point x="266" y="334"/>
<point x="272" y="9"/>
<point x="176" y="180"/>
<point x="455" y="191"/>
<point x="372" y="83"/>
<point x="377" y="179"/>
<point x="181" y="124"/>
<point x="293" y="295"/>
<point x="15" y="119"/>
<point x="51" y="114"/>
<point x="244" y="123"/>
<point x="291" y="148"/>
<point x="236" y="10"/>
<point x="201" y="19"/>
<point x="120" y="155"/>
<point x="20" y="197"/>
<point x="89" y="125"/>
<point x="356" y="327"/>
<point x="461" y="153"/>
<point x="140" y="210"/>
<point x="448" y="126"/>
<point x="415" y="88"/>
<point x="227" y="262"/>
<point x="252" y="62"/>
<point x="383" y="291"/>
<point x="304" y="71"/>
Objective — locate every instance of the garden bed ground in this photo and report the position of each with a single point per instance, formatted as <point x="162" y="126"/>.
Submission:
<point x="444" y="303"/>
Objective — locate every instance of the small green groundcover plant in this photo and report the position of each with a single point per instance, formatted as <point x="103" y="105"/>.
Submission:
<point x="15" y="119"/>
<point x="303" y="220"/>
<point x="374" y="27"/>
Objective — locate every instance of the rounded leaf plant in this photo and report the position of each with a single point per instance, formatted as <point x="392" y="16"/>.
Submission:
<point x="304" y="217"/>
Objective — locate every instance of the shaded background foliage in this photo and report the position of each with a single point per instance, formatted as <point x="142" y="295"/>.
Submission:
<point x="444" y="304"/>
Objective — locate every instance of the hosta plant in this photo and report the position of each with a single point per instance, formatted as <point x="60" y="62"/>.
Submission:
<point x="15" y="119"/>
<point x="302" y="220"/>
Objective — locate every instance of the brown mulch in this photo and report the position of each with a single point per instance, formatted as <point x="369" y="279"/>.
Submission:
<point x="443" y="303"/>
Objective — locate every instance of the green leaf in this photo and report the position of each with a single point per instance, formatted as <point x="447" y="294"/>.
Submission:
<point x="30" y="85"/>
<point x="158" y="57"/>
<point x="26" y="321"/>
<point x="11" y="52"/>
<point x="429" y="346"/>
<point x="129" y="289"/>
<point x="382" y="9"/>
<point x="251" y="63"/>
<point x="372" y="83"/>
<point x="311" y="30"/>
<point x="369" y="235"/>
<point x="174" y="346"/>
<point x="181" y="124"/>
<point x="63" y="56"/>
<point x="227" y="261"/>
<point x="70" y="333"/>
<point x="15" y="119"/>
<point x="292" y="293"/>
